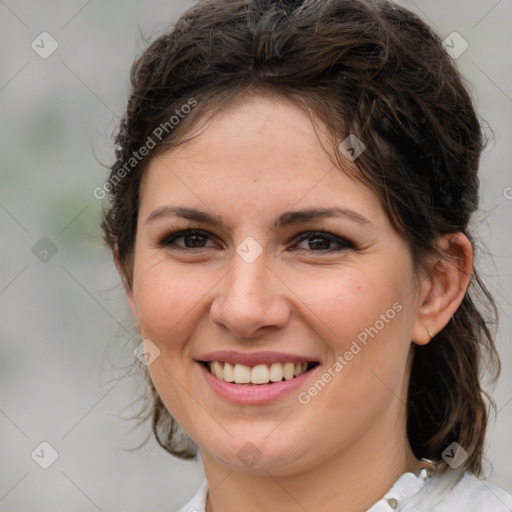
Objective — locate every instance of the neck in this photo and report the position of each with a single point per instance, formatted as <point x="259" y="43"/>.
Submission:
<point x="352" y="479"/>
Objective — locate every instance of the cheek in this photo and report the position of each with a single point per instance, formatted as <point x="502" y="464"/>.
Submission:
<point x="170" y="304"/>
<point x="377" y="322"/>
<point x="168" y="300"/>
<point x="352" y="304"/>
<point x="364" y="316"/>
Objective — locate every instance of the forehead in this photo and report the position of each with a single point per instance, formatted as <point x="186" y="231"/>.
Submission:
<point x="263" y="152"/>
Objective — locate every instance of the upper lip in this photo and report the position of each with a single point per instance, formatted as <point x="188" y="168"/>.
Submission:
<point x="254" y="358"/>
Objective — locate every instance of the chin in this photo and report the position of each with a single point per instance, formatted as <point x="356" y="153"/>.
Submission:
<point x="261" y="454"/>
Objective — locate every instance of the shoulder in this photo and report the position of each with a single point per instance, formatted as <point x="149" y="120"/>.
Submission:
<point x="480" y="495"/>
<point x="465" y="492"/>
<point x="197" y="503"/>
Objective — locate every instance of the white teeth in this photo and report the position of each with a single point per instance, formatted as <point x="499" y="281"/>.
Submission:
<point x="241" y="374"/>
<point x="288" y="371"/>
<point x="259" y="374"/>
<point x="217" y="369"/>
<point x="228" y="372"/>
<point x="276" y="372"/>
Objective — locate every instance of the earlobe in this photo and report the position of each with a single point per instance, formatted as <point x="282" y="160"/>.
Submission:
<point x="444" y="289"/>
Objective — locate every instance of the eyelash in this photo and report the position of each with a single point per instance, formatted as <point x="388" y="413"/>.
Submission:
<point x="170" y="239"/>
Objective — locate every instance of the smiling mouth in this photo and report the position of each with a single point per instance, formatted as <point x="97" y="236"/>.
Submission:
<point x="259" y="374"/>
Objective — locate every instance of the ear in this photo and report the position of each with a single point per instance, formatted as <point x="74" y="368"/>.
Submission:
<point x="126" y="284"/>
<point x="444" y="287"/>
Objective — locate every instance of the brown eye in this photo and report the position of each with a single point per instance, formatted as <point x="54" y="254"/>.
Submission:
<point x="319" y="241"/>
<point x="186" y="239"/>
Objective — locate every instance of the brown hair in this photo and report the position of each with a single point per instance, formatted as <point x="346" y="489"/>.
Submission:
<point x="365" y="67"/>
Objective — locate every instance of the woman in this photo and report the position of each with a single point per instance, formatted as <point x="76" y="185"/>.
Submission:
<point x="289" y="214"/>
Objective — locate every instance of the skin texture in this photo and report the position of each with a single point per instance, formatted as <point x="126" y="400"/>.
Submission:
<point x="346" y="447"/>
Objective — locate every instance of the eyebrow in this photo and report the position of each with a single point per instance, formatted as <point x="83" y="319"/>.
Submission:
<point x="288" y="218"/>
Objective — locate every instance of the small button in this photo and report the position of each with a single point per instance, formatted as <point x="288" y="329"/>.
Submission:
<point x="393" y="503"/>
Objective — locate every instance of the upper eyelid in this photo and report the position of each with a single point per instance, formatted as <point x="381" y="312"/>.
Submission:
<point x="299" y="237"/>
<point x="335" y="238"/>
<point x="180" y="233"/>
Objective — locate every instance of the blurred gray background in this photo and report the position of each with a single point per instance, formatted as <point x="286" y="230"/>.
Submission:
<point x="65" y="330"/>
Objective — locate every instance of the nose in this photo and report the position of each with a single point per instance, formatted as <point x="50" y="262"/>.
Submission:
<point x="250" y="300"/>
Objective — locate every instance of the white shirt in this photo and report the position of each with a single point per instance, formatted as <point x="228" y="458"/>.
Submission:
<point x="451" y="492"/>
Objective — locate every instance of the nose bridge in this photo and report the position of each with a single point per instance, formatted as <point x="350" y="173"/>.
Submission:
<point x="251" y="277"/>
<point x="249" y="298"/>
<point x="247" y="286"/>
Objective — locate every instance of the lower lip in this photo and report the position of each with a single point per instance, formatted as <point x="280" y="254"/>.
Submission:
<point x="255" y="393"/>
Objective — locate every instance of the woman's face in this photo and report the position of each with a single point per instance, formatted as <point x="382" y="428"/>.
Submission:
<point x="332" y="288"/>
